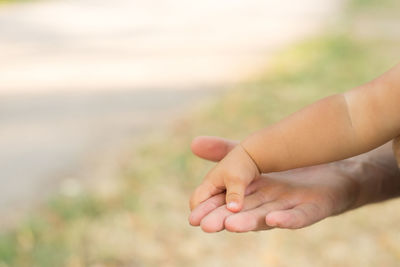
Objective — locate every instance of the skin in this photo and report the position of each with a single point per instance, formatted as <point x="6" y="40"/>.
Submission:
<point x="396" y="149"/>
<point x="301" y="197"/>
<point x="332" y="129"/>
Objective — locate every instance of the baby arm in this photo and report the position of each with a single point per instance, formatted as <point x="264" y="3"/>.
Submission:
<point x="334" y="128"/>
<point x="331" y="129"/>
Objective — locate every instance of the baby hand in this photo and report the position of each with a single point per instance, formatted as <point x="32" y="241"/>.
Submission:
<point x="233" y="174"/>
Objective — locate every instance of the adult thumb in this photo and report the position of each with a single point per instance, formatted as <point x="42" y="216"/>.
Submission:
<point x="211" y="147"/>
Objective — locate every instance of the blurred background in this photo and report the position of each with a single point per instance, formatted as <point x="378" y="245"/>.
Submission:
<point x="99" y="101"/>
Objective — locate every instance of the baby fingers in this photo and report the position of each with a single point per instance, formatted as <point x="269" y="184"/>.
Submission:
<point x="203" y="192"/>
<point x="235" y="192"/>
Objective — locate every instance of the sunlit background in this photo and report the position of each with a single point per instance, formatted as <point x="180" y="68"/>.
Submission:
<point x="99" y="101"/>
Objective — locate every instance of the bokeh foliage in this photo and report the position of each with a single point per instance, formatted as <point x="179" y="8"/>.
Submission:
<point x="144" y="223"/>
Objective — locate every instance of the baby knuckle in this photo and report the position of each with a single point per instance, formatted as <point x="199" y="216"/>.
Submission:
<point x="234" y="195"/>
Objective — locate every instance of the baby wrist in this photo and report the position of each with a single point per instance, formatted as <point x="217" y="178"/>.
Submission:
<point x="256" y="163"/>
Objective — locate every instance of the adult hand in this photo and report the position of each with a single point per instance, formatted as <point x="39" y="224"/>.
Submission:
<point x="292" y="199"/>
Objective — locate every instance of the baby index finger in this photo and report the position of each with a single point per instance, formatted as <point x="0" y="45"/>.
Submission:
<point x="235" y="192"/>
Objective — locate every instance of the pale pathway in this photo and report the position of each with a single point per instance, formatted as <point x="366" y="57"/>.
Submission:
<point x="79" y="78"/>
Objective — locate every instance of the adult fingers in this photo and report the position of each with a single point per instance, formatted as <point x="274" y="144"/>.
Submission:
<point x="205" y="208"/>
<point x="213" y="221"/>
<point x="254" y="219"/>
<point x="211" y="147"/>
<point x="300" y="216"/>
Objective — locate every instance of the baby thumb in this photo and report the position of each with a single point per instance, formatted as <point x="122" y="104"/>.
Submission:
<point x="235" y="191"/>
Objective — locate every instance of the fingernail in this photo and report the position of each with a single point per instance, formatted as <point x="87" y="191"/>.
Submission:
<point x="233" y="206"/>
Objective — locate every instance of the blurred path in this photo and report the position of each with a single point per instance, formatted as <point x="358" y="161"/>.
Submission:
<point x="95" y="44"/>
<point x="73" y="136"/>
<point x="78" y="78"/>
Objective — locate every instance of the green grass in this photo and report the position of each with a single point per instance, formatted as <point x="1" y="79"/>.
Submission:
<point x="363" y="5"/>
<point x="144" y="224"/>
<point x="302" y="74"/>
<point x="13" y="1"/>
